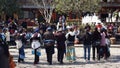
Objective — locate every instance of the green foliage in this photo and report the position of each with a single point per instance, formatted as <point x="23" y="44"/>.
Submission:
<point x="9" y="6"/>
<point x="77" y="5"/>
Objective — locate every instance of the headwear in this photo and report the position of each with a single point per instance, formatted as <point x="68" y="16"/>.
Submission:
<point x="36" y="30"/>
<point x="49" y="29"/>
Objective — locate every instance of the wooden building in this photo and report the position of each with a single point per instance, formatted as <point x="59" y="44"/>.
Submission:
<point x="31" y="11"/>
<point x="109" y="6"/>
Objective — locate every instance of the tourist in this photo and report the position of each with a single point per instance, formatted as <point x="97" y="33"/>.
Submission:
<point x="49" y="41"/>
<point x="60" y="39"/>
<point x="87" y="41"/>
<point x="96" y="37"/>
<point x="36" y="43"/>
<point x="70" y="50"/>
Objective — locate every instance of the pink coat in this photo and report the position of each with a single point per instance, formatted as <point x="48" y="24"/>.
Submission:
<point x="103" y="43"/>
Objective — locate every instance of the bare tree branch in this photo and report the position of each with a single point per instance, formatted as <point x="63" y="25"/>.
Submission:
<point x="47" y="6"/>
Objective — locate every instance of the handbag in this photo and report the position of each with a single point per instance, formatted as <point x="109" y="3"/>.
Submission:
<point x="107" y="41"/>
<point x="38" y="52"/>
<point x="96" y="43"/>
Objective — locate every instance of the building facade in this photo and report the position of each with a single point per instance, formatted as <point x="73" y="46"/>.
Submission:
<point x="30" y="10"/>
<point x="110" y="9"/>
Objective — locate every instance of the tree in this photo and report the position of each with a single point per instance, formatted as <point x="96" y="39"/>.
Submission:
<point x="77" y="5"/>
<point x="9" y="7"/>
<point x="45" y="7"/>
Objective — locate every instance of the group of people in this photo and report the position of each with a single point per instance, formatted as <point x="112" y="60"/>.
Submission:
<point x="99" y="41"/>
<point x="64" y="41"/>
<point x="60" y="38"/>
<point x="6" y="59"/>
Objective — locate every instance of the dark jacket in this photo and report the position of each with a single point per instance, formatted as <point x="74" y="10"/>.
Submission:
<point x="4" y="59"/>
<point x="49" y="36"/>
<point x="96" y="36"/>
<point x="60" y="38"/>
<point x="87" y="38"/>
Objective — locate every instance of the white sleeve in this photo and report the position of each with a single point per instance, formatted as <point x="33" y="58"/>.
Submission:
<point x="39" y="35"/>
<point x="67" y="35"/>
<point x="58" y="26"/>
<point x="32" y="35"/>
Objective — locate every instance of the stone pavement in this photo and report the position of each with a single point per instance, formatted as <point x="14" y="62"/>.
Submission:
<point x="112" y="62"/>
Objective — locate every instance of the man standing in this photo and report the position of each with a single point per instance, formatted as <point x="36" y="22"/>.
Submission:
<point x="60" y="38"/>
<point x="87" y="41"/>
<point x="49" y="40"/>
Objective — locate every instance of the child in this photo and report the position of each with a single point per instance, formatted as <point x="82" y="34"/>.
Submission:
<point x="11" y="62"/>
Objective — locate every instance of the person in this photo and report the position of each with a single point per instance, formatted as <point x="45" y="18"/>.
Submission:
<point x="28" y="36"/>
<point x="96" y="37"/>
<point x="4" y="54"/>
<point x="99" y="26"/>
<point x="7" y="35"/>
<point x="87" y="27"/>
<point x="103" y="47"/>
<point x="11" y="62"/>
<point x="2" y="34"/>
<point x="59" y="25"/>
<point x="24" y="24"/>
<point x="36" y="43"/>
<point x="70" y="50"/>
<point x="20" y="47"/>
<point x="60" y="38"/>
<point x="49" y="41"/>
<point x="77" y="33"/>
<point x="87" y="41"/>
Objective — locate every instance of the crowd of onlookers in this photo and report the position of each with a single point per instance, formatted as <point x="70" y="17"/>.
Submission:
<point x="62" y="35"/>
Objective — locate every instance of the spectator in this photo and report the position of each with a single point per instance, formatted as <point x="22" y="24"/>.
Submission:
<point x="20" y="47"/>
<point x="87" y="27"/>
<point x="87" y="41"/>
<point x="36" y="43"/>
<point x="49" y="40"/>
<point x="103" y="47"/>
<point x="70" y="52"/>
<point x="96" y="37"/>
<point x="60" y="38"/>
<point x="4" y="54"/>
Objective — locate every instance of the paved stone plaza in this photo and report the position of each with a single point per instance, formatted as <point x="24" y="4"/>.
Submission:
<point x="112" y="62"/>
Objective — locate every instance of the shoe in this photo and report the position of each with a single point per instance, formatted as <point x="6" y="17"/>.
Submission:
<point x="35" y="63"/>
<point x="93" y="59"/>
<point x="20" y="61"/>
<point x="23" y="61"/>
<point x="70" y="61"/>
<point x="58" y="61"/>
<point x="61" y="63"/>
<point x="88" y="61"/>
<point x="98" y="61"/>
<point x="50" y="63"/>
